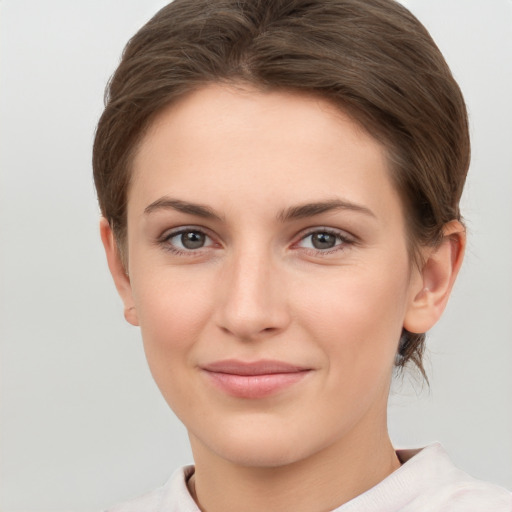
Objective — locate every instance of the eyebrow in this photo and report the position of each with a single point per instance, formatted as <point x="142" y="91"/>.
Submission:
<point x="292" y="213"/>
<point x="312" y="209"/>
<point x="167" y="203"/>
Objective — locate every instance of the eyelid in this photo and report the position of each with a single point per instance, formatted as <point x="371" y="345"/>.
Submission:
<point x="344" y="239"/>
<point x="343" y="236"/>
<point x="164" y="238"/>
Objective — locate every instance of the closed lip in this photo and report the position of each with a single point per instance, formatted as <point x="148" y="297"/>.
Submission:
<point x="253" y="380"/>
<point x="261" y="367"/>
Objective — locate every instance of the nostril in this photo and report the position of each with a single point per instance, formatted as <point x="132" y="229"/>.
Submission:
<point x="248" y="332"/>
<point x="249" y="307"/>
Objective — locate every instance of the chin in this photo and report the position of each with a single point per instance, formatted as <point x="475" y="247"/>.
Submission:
<point x="263" y="444"/>
<point x="260" y="454"/>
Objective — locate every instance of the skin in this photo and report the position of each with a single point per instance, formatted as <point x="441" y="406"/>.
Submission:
<point x="259" y="289"/>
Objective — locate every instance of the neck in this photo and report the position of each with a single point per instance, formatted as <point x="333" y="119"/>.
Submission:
<point x="324" y="481"/>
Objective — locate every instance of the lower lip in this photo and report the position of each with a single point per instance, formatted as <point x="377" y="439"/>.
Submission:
<point x="255" y="386"/>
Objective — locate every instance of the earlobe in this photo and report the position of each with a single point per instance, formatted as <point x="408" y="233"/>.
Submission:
<point x="118" y="271"/>
<point x="436" y="279"/>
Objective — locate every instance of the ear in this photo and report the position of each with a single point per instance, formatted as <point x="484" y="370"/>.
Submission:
<point x="118" y="271"/>
<point x="434" y="281"/>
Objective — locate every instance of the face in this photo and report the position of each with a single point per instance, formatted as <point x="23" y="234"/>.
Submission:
<point x="268" y="271"/>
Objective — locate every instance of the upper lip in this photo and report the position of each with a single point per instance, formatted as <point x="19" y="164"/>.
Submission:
<point x="261" y="367"/>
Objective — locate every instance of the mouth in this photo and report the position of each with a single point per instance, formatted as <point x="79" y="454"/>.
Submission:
<point x="257" y="379"/>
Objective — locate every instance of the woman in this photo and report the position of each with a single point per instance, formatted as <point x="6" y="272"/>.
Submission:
<point x="280" y="185"/>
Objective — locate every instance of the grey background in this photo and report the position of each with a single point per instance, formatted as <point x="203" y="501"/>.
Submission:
<point x="82" y="425"/>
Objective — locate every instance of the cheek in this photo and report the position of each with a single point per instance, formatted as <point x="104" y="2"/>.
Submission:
<point x="357" y="325"/>
<point x="357" y="319"/>
<point x="173" y="311"/>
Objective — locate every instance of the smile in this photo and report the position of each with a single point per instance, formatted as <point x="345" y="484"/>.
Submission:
<point x="253" y="380"/>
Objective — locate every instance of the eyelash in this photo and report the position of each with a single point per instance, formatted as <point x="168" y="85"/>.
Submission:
<point x="341" y="237"/>
<point x="343" y="240"/>
<point x="164" y="240"/>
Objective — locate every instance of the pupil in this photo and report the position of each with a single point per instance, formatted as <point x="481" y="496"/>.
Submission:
<point x="192" y="239"/>
<point x="323" y="241"/>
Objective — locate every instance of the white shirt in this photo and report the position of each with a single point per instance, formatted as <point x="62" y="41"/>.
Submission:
<point x="427" y="481"/>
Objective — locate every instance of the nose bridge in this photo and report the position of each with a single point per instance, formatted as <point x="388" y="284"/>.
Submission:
<point x="253" y="300"/>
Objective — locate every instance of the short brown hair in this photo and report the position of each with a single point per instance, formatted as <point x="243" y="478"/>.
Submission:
<point x="372" y="58"/>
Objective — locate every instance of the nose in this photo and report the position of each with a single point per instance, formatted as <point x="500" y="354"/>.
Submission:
<point x="252" y="296"/>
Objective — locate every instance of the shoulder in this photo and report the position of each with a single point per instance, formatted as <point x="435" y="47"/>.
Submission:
<point x="173" y="496"/>
<point x="441" y="486"/>
<point x="471" y="496"/>
<point x="428" y="481"/>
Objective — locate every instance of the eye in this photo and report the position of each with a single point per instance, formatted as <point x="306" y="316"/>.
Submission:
<point x="186" y="240"/>
<point x="324" y="240"/>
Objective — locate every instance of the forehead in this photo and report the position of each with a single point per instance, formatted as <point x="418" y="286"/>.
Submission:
<point x="258" y="146"/>
<point x="236" y="111"/>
